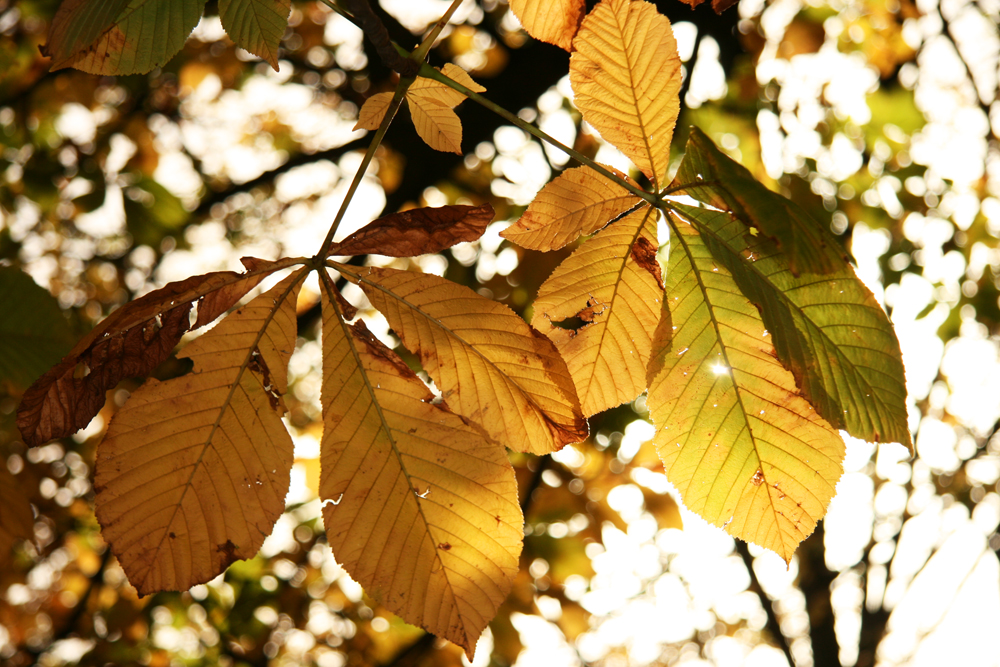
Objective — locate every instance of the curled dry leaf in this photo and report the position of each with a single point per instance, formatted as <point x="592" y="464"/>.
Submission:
<point x="131" y="342"/>
<point x="193" y="472"/>
<point x="578" y="201"/>
<point x="552" y="21"/>
<point x="490" y="366"/>
<point x="418" y="506"/>
<point x="600" y="307"/>
<point x="626" y="76"/>
<point x="745" y="450"/>
<point x="417" y="231"/>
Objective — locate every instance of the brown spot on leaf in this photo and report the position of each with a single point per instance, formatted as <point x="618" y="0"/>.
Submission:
<point x="644" y="254"/>
<point x="445" y="546"/>
<point x="230" y="550"/>
<point x="758" y="477"/>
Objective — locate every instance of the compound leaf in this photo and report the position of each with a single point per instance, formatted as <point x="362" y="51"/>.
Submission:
<point x="555" y="22"/>
<point x="418" y="506"/>
<point x="490" y="366"/>
<point x="193" y="472"/>
<point x="578" y="201"/>
<point x="435" y="90"/>
<point x="600" y="307"/>
<point x="256" y="25"/>
<point x="626" y="77"/>
<point x="745" y="450"/>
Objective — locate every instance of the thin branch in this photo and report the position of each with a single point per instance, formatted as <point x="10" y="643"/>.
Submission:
<point x="375" y="30"/>
<point x="773" y="626"/>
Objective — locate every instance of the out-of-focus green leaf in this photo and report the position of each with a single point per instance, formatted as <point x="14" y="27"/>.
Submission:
<point x="730" y="187"/>
<point x="256" y="25"/>
<point x="152" y="212"/>
<point x="828" y="330"/>
<point x="144" y="34"/>
<point x="34" y="334"/>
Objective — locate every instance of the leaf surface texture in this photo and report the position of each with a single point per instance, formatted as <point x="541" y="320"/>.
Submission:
<point x="490" y="366"/>
<point x="419" y="507"/>
<point x="613" y="287"/>
<point x="552" y="21"/>
<point x="417" y="231"/>
<point x="193" y="472"/>
<point x="256" y="25"/>
<point x="626" y="77"/>
<point x="578" y="201"/>
<point x="744" y="449"/>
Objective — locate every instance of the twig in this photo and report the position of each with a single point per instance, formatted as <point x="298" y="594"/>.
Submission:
<point x="375" y="30"/>
<point x="773" y="626"/>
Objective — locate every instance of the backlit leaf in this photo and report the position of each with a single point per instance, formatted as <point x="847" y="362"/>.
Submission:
<point x="131" y="342"/>
<point x="730" y="187"/>
<point x="436" y="123"/>
<point x="78" y="24"/>
<point x="626" y="77"/>
<point x="490" y="366"/>
<point x="600" y="308"/>
<point x="552" y="21"/>
<point x="828" y="329"/>
<point x="417" y="231"/>
<point x="373" y="111"/>
<point x="435" y="90"/>
<point x="578" y="201"/>
<point x="419" y="508"/>
<point x="145" y="34"/>
<point x="34" y="333"/>
<point x="193" y="472"/>
<point x="256" y="25"/>
<point x="744" y="449"/>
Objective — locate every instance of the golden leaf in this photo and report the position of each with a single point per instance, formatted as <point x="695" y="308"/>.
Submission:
<point x="600" y="307"/>
<point x="436" y="124"/>
<point x="419" y="508"/>
<point x="373" y="111"/>
<point x="744" y="449"/>
<point x="435" y="90"/>
<point x="193" y="472"/>
<point x="578" y="201"/>
<point x="490" y="366"/>
<point x="550" y="21"/>
<point x="626" y="77"/>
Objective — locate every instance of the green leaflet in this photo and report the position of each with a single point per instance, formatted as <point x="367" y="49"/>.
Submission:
<point x="746" y="451"/>
<point x="77" y="25"/>
<point x="730" y="187"/>
<point x="827" y="329"/>
<point x="34" y="334"/>
<point x="256" y="25"/>
<point x="144" y="35"/>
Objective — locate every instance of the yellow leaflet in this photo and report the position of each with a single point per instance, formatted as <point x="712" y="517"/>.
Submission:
<point x="490" y="366"/>
<point x="600" y="307"/>
<point x="194" y="471"/>
<point x="552" y="21"/>
<point x="745" y="450"/>
<point x="436" y="124"/>
<point x="419" y="508"/>
<point x="431" y="104"/>
<point x="578" y="201"/>
<point x="626" y="76"/>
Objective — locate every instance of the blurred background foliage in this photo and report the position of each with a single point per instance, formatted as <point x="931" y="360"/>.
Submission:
<point x="880" y="117"/>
